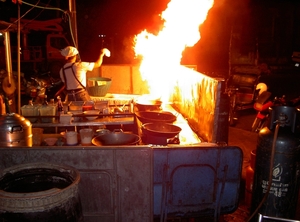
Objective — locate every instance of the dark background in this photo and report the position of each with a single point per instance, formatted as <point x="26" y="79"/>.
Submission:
<point x="269" y="26"/>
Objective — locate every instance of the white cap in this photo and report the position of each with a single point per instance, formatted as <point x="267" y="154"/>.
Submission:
<point x="106" y="52"/>
<point x="69" y="51"/>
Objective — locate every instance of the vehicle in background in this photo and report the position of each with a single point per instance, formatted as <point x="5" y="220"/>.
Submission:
<point x="296" y="58"/>
<point x="242" y="91"/>
<point x="41" y="42"/>
<point x="262" y="105"/>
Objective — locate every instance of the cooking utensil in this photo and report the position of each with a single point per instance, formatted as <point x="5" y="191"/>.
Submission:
<point x="155" y="116"/>
<point x="166" y="130"/>
<point x="148" y="105"/>
<point x="102" y="131"/>
<point x="15" y="130"/>
<point x="98" y="86"/>
<point x="116" y="137"/>
<point x="51" y="141"/>
<point x="89" y="114"/>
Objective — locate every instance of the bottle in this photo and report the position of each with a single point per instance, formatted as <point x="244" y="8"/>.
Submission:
<point x="7" y="106"/>
<point x="131" y="106"/>
<point x="45" y="102"/>
<point x="60" y="107"/>
<point x="51" y="103"/>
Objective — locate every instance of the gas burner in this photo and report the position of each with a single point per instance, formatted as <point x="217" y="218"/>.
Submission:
<point x="158" y="140"/>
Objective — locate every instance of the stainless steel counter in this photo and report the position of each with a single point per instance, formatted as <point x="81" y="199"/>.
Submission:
<point x="128" y="119"/>
<point x="96" y="122"/>
<point x="142" y="182"/>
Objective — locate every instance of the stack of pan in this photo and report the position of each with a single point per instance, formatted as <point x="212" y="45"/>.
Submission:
<point x="157" y="127"/>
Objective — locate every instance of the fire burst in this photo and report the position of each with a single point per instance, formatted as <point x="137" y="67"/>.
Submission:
<point x="162" y="53"/>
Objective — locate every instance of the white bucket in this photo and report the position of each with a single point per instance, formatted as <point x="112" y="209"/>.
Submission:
<point x="71" y="138"/>
<point x="86" y="136"/>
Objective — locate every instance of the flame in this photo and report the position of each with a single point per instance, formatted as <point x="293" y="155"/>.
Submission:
<point x="161" y="53"/>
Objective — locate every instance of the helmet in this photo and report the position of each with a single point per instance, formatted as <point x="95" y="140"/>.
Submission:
<point x="262" y="87"/>
<point x="69" y="51"/>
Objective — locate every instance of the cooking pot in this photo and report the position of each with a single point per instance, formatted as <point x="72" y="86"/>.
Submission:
<point x="116" y="137"/>
<point x="148" y="105"/>
<point x="155" y="116"/>
<point x="15" y="130"/>
<point x="166" y="130"/>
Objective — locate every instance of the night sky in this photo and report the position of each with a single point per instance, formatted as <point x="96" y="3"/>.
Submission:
<point x="120" y="20"/>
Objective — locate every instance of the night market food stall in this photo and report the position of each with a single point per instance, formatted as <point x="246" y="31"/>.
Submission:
<point x="143" y="181"/>
<point x="143" y="169"/>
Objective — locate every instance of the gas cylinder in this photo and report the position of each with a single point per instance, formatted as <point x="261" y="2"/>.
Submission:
<point x="278" y="146"/>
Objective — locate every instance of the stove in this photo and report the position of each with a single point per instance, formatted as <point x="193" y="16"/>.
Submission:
<point x="158" y="140"/>
<point x="186" y="137"/>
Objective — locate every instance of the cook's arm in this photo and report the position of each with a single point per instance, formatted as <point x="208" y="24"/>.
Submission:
<point x="104" y="51"/>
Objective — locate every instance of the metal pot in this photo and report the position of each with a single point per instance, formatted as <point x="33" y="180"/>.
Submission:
<point x="102" y="132"/>
<point x="148" y="105"/>
<point x="155" y="116"/>
<point x="166" y="130"/>
<point x="15" y="130"/>
<point x="116" y="137"/>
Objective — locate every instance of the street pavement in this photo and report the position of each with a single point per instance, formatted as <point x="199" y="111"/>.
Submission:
<point x="240" y="135"/>
<point x="280" y="83"/>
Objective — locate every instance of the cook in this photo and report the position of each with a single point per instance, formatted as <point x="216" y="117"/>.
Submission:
<point x="73" y="73"/>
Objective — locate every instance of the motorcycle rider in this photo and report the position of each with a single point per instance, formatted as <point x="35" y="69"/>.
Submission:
<point x="73" y="73"/>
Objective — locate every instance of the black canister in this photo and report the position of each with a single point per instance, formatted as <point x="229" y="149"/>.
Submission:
<point x="283" y="156"/>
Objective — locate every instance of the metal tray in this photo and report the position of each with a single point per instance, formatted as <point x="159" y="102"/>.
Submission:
<point x="194" y="181"/>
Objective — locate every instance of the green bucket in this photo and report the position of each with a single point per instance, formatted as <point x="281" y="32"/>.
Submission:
<point x="98" y="86"/>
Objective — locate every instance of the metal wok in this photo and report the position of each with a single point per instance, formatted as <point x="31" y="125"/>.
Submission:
<point x="166" y="130"/>
<point x="148" y="105"/>
<point x="155" y="116"/>
<point x="117" y="137"/>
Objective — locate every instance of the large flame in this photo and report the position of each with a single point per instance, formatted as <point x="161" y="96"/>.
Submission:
<point x="161" y="54"/>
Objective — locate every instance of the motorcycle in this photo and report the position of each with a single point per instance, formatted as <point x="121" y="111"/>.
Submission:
<point x="242" y="89"/>
<point x="262" y="106"/>
<point x="43" y="85"/>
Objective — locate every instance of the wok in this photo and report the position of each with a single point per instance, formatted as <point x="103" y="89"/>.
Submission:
<point x="148" y="105"/>
<point x="117" y="137"/>
<point x="155" y="116"/>
<point x="166" y="130"/>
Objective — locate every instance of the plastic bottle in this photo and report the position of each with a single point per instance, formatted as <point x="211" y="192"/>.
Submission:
<point x="45" y="102"/>
<point x="60" y="107"/>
